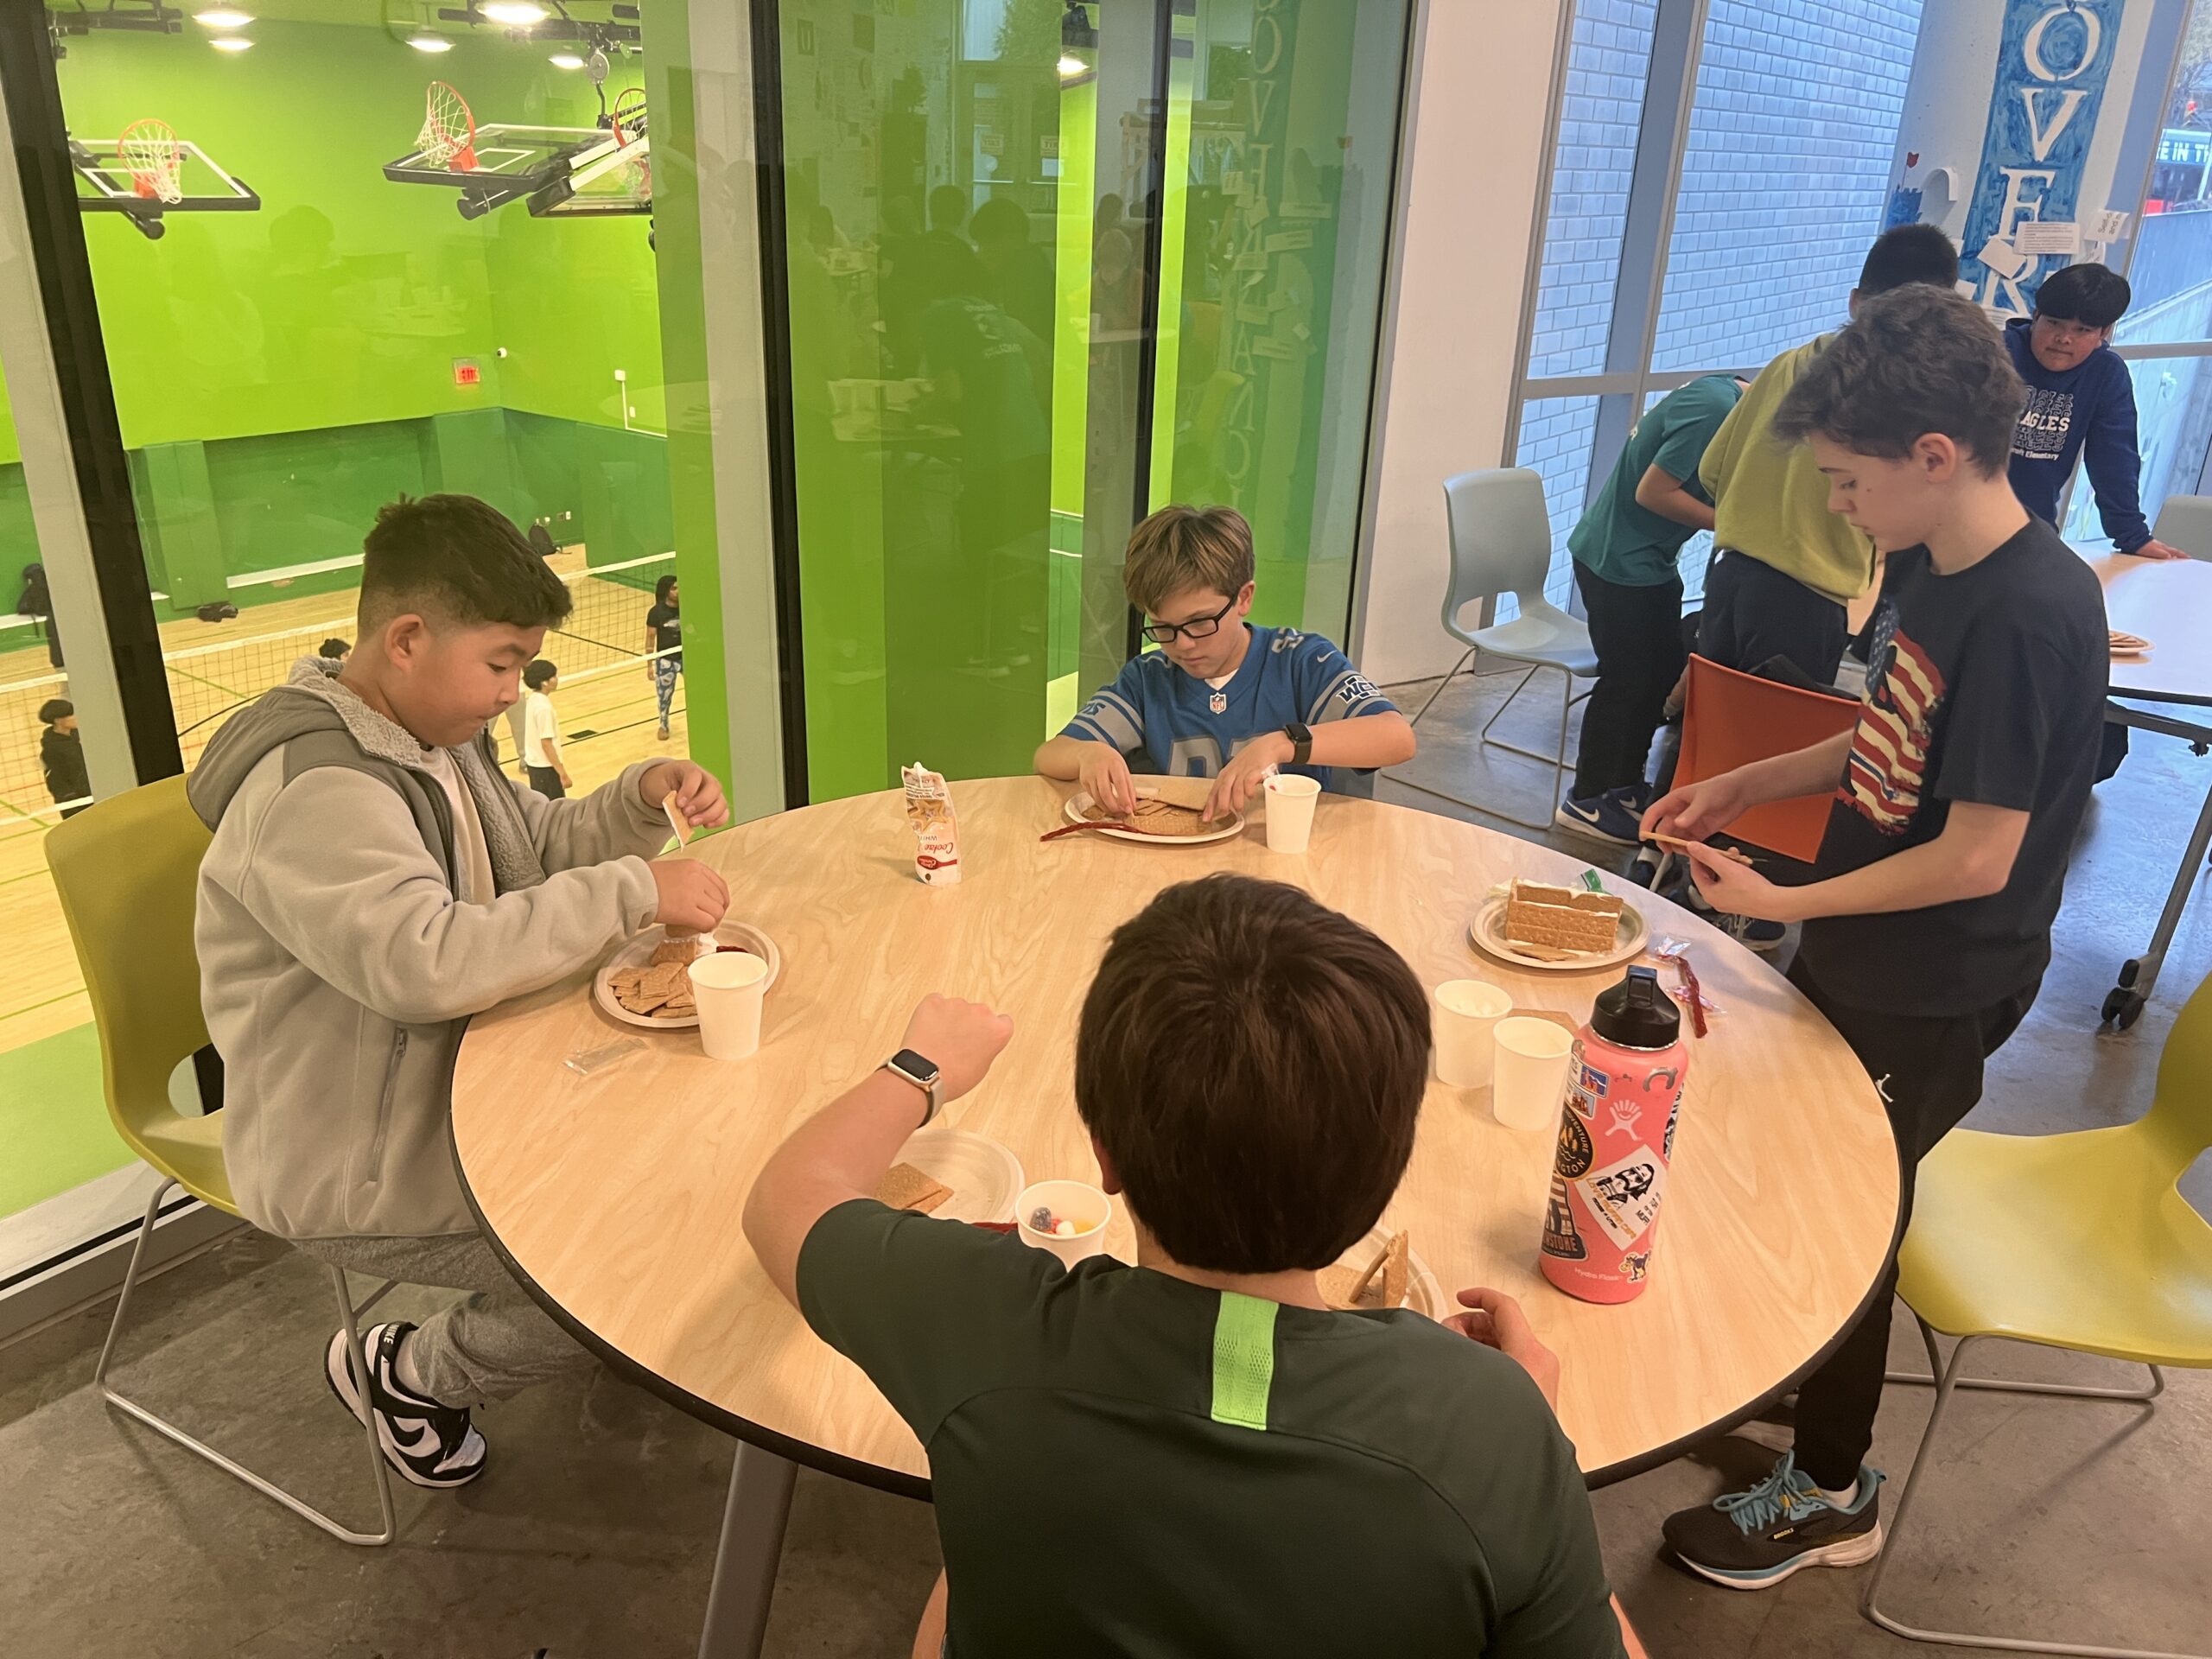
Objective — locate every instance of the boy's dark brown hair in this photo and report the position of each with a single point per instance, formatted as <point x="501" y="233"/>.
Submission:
<point x="1181" y="548"/>
<point x="457" y="561"/>
<point x="1916" y="360"/>
<point x="1252" y="1063"/>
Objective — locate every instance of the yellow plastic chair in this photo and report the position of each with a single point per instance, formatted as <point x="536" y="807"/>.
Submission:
<point x="2080" y="1241"/>
<point x="126" y="870"/>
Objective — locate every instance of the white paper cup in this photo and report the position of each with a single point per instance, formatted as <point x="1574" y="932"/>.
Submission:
<point x="1467" y="1012"/>
<point x="729" y="986"/>
<point x="1290" y="811"/>
<point x="1531" y="1075"/>
<point x="1075" y="1201"/>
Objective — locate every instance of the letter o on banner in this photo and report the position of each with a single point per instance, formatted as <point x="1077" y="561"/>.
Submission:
<point x="2031" y="46"/>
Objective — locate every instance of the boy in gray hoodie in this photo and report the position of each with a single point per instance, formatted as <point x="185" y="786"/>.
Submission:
<point x="374" y="880"/>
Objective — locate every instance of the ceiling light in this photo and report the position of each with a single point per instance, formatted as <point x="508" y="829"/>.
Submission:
<point x="520" y="13"/>
<point x="1071" y="66"/>
<point x="566" y="60"/>
<point x="231" y="43"/>
<point x="429" y="42"/>
<point x="221" y="17"/>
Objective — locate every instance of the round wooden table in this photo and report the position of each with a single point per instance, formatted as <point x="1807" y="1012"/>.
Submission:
<point x="615" y="1198"/>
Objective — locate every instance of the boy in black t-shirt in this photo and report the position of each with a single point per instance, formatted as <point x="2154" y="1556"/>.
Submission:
<point x="1928" y="921"/>
<point x="1196" y="1454"/>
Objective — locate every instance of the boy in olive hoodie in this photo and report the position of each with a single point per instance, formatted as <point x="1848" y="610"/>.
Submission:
<point x="374" y="880"/>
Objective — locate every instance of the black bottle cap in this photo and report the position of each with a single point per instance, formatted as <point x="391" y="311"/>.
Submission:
<point x="1636" y="1013"/>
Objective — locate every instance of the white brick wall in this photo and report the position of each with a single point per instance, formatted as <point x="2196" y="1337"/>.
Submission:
<point x="1784" y="181"/>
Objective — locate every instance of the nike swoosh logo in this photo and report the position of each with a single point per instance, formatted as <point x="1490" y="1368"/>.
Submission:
<point x="423" y="1440"/>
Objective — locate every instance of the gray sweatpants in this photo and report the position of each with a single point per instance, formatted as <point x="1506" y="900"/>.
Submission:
<point x="492" y="1343"/>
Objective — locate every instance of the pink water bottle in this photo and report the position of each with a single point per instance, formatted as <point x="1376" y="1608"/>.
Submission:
<point x="1616" y="1135"/>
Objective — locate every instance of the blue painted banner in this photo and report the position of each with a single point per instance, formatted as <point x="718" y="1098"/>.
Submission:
<point x="2052" y="62"/>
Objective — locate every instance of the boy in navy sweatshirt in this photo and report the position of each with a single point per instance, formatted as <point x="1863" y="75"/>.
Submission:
<point x="2079" y="394"/>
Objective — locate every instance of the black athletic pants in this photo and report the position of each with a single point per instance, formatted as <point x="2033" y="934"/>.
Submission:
<point x="1928" y="1069"/>
<point x="546" y="782"/>
<point x="1637" y="632"/>
<point x="1753" y="614"/>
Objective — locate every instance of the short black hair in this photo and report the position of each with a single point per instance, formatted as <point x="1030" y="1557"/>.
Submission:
<point x="1916" y="360"/>
<point x="948" y="207"/>
<point x="1252" y="1064"/>
<point x="457" y="561"/>
<point x="1000" y="220"/>
<point x="334" y="647"/>
<point x="2085" y="294"/>
<point x="1907" y="253"/>
<point x="539" y="673"/>
<point x="56" y="708"/>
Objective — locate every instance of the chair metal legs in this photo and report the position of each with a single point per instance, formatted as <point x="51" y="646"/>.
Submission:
<point x="1948" y="1381"/>
<point x="1557" y="760"/>
<point x="349" y="1316"/>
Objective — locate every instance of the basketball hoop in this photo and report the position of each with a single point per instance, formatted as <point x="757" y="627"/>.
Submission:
<point x="629" y="128"/>
<point x="155" y="160"/>
<point x="448" y="135"/>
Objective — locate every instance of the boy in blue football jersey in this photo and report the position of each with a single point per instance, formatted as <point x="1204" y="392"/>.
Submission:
<point x="1221" y="698"/>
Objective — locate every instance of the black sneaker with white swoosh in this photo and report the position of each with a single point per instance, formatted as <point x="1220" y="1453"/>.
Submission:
<point x="429" y="1444"/>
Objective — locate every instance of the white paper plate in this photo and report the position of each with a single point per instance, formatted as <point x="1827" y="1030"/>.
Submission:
<point x="638" y="951"/>
<point x="985" y="1177"/>
<point x="1488" y="932"/>
<point x="1078" y="810"/>
<point x="1423" y="1294"/>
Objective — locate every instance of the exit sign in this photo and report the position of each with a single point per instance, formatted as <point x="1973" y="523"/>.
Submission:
<point x="466" y="372"/>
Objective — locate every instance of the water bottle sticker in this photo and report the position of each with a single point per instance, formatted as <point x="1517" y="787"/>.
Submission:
<point x="1624" y="1197"/>
<point x="1666" y="1146"/>
<point x="1626" y="1116"/>
<point x="1593" y="1082"/>
<point x="1636" y="1265"/>
<point x="1560" y="1237"/>
<point x="1574" y="1152"/>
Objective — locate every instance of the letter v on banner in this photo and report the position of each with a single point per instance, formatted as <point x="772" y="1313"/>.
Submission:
<point x="2053" y="58"/>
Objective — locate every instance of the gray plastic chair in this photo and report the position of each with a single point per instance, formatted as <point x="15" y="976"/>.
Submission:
<point x="2185" y="522"/>
<point x="1501" y="541"/>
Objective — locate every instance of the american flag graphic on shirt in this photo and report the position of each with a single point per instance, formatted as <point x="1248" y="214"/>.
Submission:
<point x="1889" y="751"/>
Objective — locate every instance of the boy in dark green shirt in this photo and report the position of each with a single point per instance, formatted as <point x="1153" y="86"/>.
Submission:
<point x="1195" y="1454"/>
<point x="1625" y="546"/>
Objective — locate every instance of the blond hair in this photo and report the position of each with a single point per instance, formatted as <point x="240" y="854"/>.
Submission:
<point x="1179" y="549"/>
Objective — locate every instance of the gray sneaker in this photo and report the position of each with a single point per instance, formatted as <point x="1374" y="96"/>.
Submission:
<point x="1754" y="1539"/>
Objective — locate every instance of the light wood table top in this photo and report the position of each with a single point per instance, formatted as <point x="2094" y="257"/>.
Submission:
<point x="616" y="1196"/>
<point x="2169" y="602"/>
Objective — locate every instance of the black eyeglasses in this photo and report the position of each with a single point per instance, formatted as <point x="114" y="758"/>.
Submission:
<point x="1163" y="634"/>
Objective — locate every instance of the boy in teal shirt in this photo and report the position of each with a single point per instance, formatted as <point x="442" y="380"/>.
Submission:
<point x="1626" y="549"/>
<point x="1195" y="1454"/>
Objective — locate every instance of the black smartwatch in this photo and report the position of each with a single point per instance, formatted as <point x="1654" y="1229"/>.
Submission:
<point x="1301" y="742"/>
<point x="922" y="1073"/>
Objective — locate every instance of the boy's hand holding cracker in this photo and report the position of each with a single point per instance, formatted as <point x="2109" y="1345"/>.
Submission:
<point x="1696" y="810"/>
<point x="694" y="898"/>
<point x="698" y="796"/>
<point x="1104" y="775"/>
<point x="1247" y="769"/>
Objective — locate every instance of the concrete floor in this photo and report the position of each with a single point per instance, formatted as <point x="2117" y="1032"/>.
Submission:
<point x="593" y="1532"/>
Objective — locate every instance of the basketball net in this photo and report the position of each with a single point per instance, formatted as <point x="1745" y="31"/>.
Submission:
<point x="629" y="128"/>
<point x="155" y="160"/>
<point x="448" y="135"/>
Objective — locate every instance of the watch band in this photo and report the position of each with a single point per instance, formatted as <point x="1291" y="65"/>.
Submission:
<point x="1301" y="742"/>
<point x="923" y="1073"/>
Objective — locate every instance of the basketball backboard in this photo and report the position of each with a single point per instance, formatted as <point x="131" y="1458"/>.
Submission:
<point x="575" y="170"/>
<point x="106" y="183"/>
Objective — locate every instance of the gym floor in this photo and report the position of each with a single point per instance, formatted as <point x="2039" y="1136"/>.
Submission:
<point x="594" y="1531"/>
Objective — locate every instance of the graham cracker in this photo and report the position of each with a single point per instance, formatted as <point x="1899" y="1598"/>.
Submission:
<point x="1562" y="919"/>
<point x="904" y="1187"/>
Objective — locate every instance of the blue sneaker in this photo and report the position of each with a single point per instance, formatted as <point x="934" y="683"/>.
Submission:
<point x="1754" y="932"/>
<point x="1754" y="1539"/>
<point x="1613" y="817"/>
